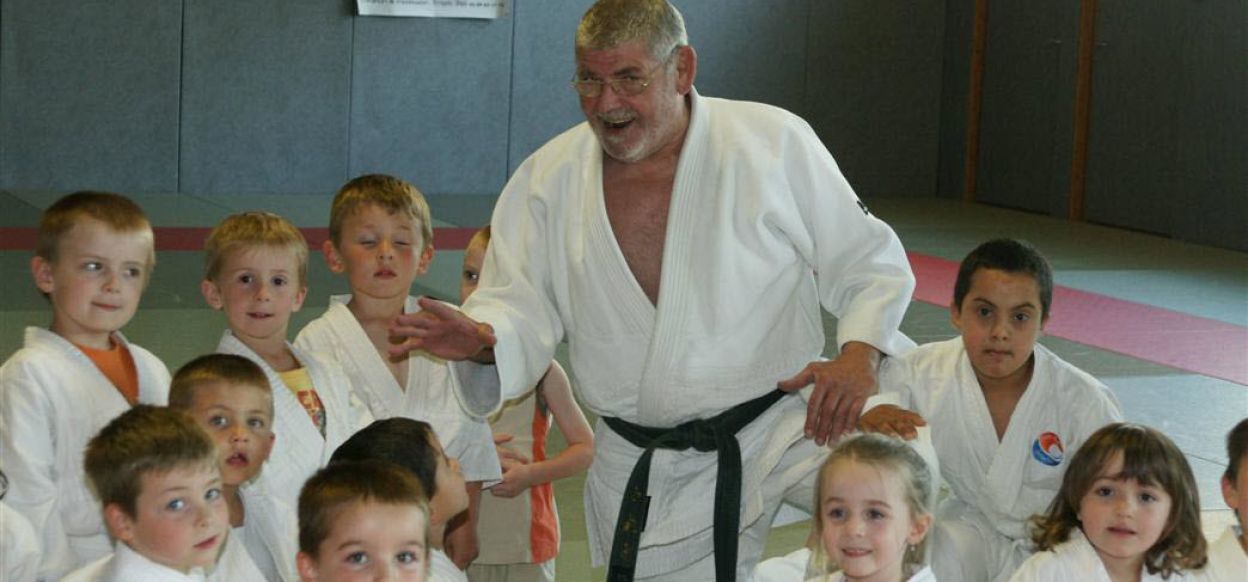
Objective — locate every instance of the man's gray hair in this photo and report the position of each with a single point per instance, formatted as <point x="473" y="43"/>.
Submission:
<point x="610" y="23"/>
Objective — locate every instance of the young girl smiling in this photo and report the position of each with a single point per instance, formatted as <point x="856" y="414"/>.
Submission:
<point x="873" y="512"/>
<point x="1127" y="511"/>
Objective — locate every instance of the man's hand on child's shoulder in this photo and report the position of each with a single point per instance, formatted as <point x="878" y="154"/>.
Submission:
<point x="891" y="420"/>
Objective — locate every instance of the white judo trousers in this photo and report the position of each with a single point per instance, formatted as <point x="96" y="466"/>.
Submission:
<point x="763" y="231"/>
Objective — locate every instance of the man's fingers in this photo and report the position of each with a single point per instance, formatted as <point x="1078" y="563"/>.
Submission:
<point x="827" y="414"/>
<point x="403" y="347"/>
<point x="502" y="437"/>
<point x="812" y="411"/>
<point x="840" y="421"/>
<point x="801" y="380"/>
<point x="852" y="413"/>
<point x="437" y="308"/>
<point x="485" y="334"/>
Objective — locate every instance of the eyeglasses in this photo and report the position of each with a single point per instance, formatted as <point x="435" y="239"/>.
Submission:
<point x="623" y="85"/>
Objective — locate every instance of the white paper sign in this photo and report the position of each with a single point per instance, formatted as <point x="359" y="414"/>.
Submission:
<point x="434" y="8"/>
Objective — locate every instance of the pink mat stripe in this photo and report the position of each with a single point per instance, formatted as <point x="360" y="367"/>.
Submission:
<point x="1187" y="342"/>
<point x="192" y="238"/>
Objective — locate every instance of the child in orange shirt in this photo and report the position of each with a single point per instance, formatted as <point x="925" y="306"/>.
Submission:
<point x="93" y="260"/>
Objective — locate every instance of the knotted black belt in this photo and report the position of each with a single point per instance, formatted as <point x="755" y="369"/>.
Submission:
<point x="718" y="433"/>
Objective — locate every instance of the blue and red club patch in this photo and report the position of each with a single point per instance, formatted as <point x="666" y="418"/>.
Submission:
<point x="1048" y="449"/>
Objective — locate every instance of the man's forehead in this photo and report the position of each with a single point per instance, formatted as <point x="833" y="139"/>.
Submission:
<point x="632" y="54"/>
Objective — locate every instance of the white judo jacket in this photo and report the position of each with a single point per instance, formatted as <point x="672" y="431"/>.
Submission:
<point x="431" y="392"/>
<point x="763" y="231"/>
<point x="1075" y="559"/>
<point x="127" y="565"/>
<point x="53" y="400"/>
<point x="299" y="449"/>
<point x="270" y="533"/>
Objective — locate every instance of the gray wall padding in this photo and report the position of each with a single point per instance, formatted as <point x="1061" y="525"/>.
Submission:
<point x="750" y="50"/>
<point x="233" y="97"/>
<point x="873" y="91"/>
<point x="1026" y="122"/>
<point x="543" y="104"/>
<point x="1168" y="147"/>
<point x="278" y="96"/>
<point x="429" y="101"/>
<point x="89" y="94"/>
<point x="265" y="96"/>
<point x="954" y="90"/>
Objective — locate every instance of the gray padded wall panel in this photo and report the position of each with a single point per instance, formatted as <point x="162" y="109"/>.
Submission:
<point x="874" y="74"/>
<point x="1025" y="136"/>
<point x="1213" y="126"/>
<point x="542" y="103"/>
<point x="265" y="96"/>
<point x="89" y="94"/>
<point x="955" y="91"/>
<point x="430" y="101"/>
<point x="750" y="50"/>
<point x="1170" y="128"/>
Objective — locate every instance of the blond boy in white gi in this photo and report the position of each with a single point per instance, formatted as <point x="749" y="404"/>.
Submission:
<point x="256" y="273"/>
<point x="93" y="259"/>
<point x="381" y="239"/>
<point x="230" y="398"/>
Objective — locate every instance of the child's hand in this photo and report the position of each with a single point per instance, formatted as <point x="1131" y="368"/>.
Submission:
<point x="508" y="454"/>
<point x="891" y="420"/>
<point x="516" y="479"/>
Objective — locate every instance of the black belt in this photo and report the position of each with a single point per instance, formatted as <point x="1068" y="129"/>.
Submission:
<point x="718" y="433"/>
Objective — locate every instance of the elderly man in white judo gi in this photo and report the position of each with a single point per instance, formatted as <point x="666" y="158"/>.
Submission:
<point x="683" y="246"/>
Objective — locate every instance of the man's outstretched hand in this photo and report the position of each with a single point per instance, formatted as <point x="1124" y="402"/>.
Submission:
<point x="444" y="332"/>
<point x="841" y="389"/>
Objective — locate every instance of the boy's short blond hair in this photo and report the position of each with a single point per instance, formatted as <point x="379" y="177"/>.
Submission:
<point x="392" y="194"/>
<point x="336" y="487"/>
<point x="252" y="230"/>
<point x="144" y="440"/>
<point x="114" y="210"/>
<point x="213" y="368"/>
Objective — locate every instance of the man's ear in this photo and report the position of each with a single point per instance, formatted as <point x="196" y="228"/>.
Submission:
<point x="211" y="293"/>
<point x="41" y="271"/>
<point x="686" y="69"/>
<point x="332" y="258"/>
<point x="120" y="525"/>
